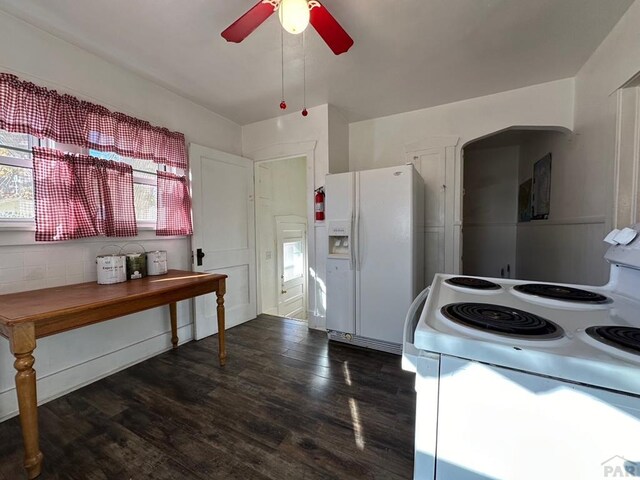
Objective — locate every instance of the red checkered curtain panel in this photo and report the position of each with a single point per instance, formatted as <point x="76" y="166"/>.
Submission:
<point x="174" y="205"/>
<point x="81" y="196"/>
<point x="44" y="113"/>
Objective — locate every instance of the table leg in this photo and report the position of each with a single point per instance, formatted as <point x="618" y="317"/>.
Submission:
<point x="174" y="324"/>
<point x="222" y="353"/>
<point x="23" y="343"/>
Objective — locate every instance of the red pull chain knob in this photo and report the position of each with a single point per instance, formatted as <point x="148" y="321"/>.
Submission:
<point x="283" y="105"/>
<point x="305" y="113"/>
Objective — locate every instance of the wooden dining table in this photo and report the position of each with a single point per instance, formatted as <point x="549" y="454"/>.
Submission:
<point x="27" y="316"/>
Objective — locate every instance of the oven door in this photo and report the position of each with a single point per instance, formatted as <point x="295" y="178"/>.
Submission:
<point x="409" y="352"/>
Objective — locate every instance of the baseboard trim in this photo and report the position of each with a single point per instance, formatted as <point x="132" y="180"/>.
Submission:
<point x="365" y="342"/>
<point x="87" y="372"/>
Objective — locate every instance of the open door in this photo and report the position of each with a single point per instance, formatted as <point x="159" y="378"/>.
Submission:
<point x="224" y="234"/>
<point x="291" y="238"/>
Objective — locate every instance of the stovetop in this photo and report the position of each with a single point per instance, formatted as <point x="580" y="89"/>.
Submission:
<point x="565" y="343"/>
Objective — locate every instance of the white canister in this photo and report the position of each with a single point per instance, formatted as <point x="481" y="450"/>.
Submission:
<point x="157" y="262"/>
<point x="111" y="269"/>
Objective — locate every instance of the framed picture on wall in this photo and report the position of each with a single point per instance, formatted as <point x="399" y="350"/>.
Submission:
<point x="541" y="198"/>
<point x="524" y="201"/>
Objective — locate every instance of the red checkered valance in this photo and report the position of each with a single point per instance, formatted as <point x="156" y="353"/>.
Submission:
<point x="174" y="205"/>
<point x="44" y="113"/>
<point x="81" y="196"/>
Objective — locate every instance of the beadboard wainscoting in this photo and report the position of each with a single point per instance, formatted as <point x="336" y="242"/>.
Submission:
<point x="555" y="251"/>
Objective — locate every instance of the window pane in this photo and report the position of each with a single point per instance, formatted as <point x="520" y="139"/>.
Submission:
<point x="144" y="197"/>
<point x="16" y="192"/>
<point x="137" y="164"/>
<point x="16" y="140"/>
<point x="293" y="260"/>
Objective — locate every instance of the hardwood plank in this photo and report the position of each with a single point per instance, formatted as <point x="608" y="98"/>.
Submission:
<point x="281" y="409"/>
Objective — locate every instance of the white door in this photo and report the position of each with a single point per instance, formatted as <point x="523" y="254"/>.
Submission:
<point x="436" y="161"/>
<point x="291" y="238"/>
<point x="224" y="231"/>
<point x="431" y="164"/>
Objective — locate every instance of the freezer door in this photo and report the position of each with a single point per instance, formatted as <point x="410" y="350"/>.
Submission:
<point x="340" y="277"/>
<point x="385" y="257"/>
<point x="340" y="296"/>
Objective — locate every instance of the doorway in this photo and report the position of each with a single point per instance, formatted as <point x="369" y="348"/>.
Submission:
<point x="506" y="235"/>
<point x="281" y="233"/>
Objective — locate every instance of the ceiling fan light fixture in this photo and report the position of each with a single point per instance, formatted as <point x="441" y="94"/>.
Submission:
<point x="294" y="15"/>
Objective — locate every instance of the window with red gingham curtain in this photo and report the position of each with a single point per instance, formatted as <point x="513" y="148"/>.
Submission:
<point x="81" y="196"/>
<point x="174" y="205"/>
<point x="38" y="111"/>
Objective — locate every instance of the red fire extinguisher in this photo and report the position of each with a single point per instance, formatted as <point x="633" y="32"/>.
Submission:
<point x="319" y="201"/>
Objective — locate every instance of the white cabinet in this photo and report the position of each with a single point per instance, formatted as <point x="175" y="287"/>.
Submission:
<point x="431" y="165"/>
<point x="435" y="160"/>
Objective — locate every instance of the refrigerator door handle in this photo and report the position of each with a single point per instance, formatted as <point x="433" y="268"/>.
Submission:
<point x="352" y="247"/>
<point x="356" y="242"/>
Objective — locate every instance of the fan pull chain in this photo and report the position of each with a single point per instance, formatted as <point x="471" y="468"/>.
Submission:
<point x="283" y="104"/>
<point x="304" y="76"/>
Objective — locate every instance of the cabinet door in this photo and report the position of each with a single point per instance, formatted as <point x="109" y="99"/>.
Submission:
<point x="431" y="165"/>
<point x="441" y="168"/>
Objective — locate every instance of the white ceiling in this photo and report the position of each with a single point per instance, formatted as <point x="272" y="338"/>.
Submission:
<point x="408" y="54"/>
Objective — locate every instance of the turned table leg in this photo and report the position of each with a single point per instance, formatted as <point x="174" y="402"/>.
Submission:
<point x="23" y="343"/>
<point x="174" y="324"/>
<point x="222" y="353"/>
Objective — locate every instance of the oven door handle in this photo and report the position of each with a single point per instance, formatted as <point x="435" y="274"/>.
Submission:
<point x="409" y="351"/>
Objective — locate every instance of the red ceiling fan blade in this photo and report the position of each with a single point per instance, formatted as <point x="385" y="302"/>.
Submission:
<point x="329" y="29"/>
<point x="247" y="23"/>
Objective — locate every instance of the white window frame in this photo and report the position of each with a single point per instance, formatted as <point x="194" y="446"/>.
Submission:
<point x="20" y="223"/>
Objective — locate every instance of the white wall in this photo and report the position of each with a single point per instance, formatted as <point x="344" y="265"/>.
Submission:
<point x="490" y="211"/>
<point x="567" y="247"/>
<point x="338" y="141"/>
<point x="294" y="135"/>
<point x="385" y="141"/>
<point x="380" y="142"/>
<point x="583" y="167"/>
<point x="281" y="190"/>
<point x="69" y="360"/>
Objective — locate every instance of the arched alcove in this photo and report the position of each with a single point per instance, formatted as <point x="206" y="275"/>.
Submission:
<point x="500" y="237"/>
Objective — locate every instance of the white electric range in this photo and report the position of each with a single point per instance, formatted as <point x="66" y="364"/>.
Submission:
<point x="528" y="380"/>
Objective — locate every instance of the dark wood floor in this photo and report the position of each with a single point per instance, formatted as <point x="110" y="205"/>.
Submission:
<point x="288" y="405"/>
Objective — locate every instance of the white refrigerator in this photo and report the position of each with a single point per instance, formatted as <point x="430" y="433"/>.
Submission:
<point x="375" y="257"/>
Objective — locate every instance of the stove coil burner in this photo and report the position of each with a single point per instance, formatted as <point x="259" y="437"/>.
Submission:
<point x="502" y="320"/>
<point x="560" y="292"/>
<point x="473" y="283"/>
<point x="624" y="338"/>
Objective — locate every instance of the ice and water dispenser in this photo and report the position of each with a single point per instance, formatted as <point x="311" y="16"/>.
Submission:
<point x="340" y="278"/>
<point x="339" y="239"/>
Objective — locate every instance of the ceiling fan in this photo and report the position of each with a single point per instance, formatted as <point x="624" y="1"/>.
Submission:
<point x="294" y="16"/>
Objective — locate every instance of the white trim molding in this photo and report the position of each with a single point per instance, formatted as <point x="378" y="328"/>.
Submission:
<point x="627" y="158"/>
<point x="279" y="151"/>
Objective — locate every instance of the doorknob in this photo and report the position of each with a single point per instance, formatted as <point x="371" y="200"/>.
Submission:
<point x="199" y="256"/>
<point x="283" y="292"/>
